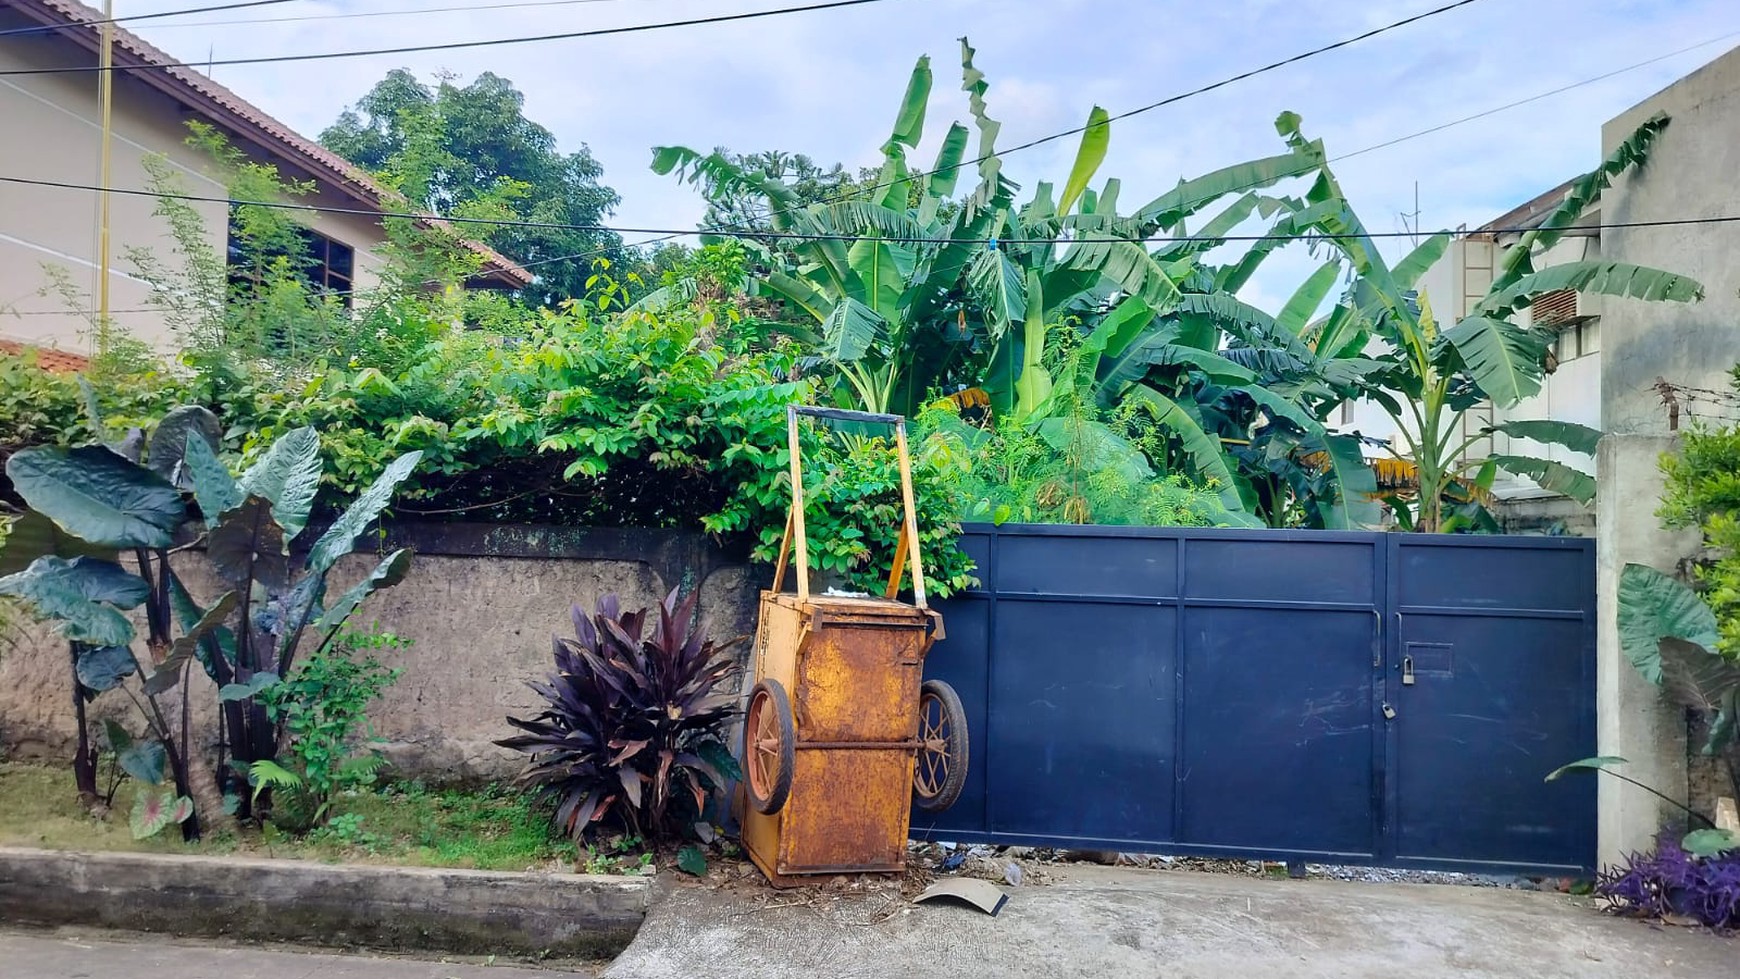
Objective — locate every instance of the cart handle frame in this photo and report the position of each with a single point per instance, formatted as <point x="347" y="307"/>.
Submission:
<point x="907" y="546"/>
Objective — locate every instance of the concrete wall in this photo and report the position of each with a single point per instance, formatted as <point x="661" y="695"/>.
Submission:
<point x="1687" y="176"/>
<point x="480" y="606"/>
<point x="52" y="131"/>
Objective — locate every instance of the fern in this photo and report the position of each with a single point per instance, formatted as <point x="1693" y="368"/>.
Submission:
<point x="268" y="774"/>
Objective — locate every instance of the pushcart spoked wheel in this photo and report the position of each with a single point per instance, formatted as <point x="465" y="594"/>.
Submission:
<point x="940" y="768"/>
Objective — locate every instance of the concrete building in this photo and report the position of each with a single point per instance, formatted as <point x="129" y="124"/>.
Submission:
<point x="50" y="129"/>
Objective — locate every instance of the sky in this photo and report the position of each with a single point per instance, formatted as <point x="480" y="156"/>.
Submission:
<point x="827" y="83"/>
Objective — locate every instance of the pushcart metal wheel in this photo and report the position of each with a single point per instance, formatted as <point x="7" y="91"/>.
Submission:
<point x="940" y="770"/>
<point x="769" y="747"/>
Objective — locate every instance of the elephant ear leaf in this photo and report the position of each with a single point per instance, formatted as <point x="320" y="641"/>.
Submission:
<point x="341" y="536"/>
<point x="101" y="668"/>
<point x="1703" y="680"/>
<point x="392" y="570"/>
<point x="287" y="476"/>
<point x="97" y="496"/>
<point x="249" y="546"/>
<point x="1652" y="606"/>
<point x="184" y="648"/>
<point x="84" y="595"/>
<point x="167" y="447"/>
<point x="214" y="489"/>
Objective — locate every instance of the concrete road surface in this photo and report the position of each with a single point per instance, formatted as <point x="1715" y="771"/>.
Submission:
<point x="1139" y="923"/>
<point x="115" y="955"/>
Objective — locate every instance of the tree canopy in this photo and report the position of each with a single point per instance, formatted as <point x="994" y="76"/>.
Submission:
<point x="469" y="150"/>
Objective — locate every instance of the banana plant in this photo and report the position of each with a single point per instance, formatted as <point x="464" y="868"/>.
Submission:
<point x="1426" y="376"/>
<point x="248" y="637"/>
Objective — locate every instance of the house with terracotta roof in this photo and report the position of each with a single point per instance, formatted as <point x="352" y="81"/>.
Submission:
<point x="52" y="131"/>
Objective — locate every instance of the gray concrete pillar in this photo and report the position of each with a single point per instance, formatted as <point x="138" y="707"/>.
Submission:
<point x="1634" y="720"/>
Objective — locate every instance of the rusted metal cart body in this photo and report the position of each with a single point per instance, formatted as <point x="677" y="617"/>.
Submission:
<point x="842" y="732"/>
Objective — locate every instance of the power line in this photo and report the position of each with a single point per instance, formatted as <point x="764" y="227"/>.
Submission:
<point x="456" y="45"/>
<point x="1536" y="98"/>
<point x="50" y="28"/>
<point x="1170" y="100"/>
<point x="381" y="13"/>
<point x="1375" y="146"/>
<point x="803" y="236"/>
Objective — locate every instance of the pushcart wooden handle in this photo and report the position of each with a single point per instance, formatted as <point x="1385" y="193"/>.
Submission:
<point x="907" y="546"/>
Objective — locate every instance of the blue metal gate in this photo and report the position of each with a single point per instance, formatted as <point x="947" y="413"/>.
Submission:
<point x="1344" y="697"/>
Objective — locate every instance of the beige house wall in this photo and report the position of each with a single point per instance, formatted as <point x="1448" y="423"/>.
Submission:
<point x="50" y="129"/>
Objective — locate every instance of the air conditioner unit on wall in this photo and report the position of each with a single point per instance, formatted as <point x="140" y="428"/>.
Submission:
<point x="1555" y="308"/>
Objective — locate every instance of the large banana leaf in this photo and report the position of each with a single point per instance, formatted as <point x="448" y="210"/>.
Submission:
<point x="288" y="477"/>
<point x="990" y="164"/>
<point x="341" y="536"/>
<point x="1602" y="278"/>
<point x="713" y="173"/>
<point x="1118" y="328"/>
<point x="1518" y="260"/>
<point x="1217" y="368"/>
<point x="83" y="594"/>
<point x="882" y="270"/>
<point x="801" y="294"/>
<point x="1190" y="196"/>
<point x="945" y="173"/>
<point x="1653" y="606"/>
<point x="1033" y="387"/>
<point x="1205" y="451"/>
<point x="1408" y="271"/>
<point x="999" y="288"/>
<point x="1504" y="359"/>
<point x="1304" y="302"/>
<point x="1356" y="487"/>
<point x="1092" y="152"/>
<point x="1128" y="264"/>
<point x="1577" y="438"/>
<point x="894" y="180"/>
<point x="850" y="330"/>
<point x="1554" y="477"/>
<point x="168" y="443"/>
<point x="97" y="496"/>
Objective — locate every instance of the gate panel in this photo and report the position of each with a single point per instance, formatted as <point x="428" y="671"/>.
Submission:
<point x="1476" y="734"/>
<point x="1241" y="693"/>
<point x="1081" y="721"/>
<point x="1277" y="747"/>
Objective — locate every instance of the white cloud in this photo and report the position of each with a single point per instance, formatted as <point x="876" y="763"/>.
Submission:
<point x="827" y="83"/>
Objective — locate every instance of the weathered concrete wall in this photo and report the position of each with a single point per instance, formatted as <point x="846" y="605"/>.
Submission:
<point x="1633" y="719"/>
<point x="480" y="606"/>
<point x="1690" y="345"/>
<point x="1687" y="176"/>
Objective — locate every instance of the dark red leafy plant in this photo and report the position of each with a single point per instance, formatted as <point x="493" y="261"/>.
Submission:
<point x="632" y="722"/>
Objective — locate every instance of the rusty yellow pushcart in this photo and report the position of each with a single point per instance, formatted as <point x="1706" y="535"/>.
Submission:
<point x="842" y="734"/>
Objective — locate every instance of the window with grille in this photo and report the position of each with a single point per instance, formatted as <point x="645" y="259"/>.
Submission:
<point x="327" y="265"/>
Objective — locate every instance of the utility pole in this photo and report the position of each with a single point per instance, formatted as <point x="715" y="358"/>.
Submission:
<point x="106" y="101"/>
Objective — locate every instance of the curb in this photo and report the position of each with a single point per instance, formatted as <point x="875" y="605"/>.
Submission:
<point x="394" y="908"/>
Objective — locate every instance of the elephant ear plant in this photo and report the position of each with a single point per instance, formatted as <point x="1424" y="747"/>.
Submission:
<point x="244" y="640"/>
<point x="632" y="722"/>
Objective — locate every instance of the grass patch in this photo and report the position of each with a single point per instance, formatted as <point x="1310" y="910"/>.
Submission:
<point x="405" y="823"/>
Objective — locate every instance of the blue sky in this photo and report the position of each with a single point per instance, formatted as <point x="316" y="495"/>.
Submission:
<point x="826" y="83"/>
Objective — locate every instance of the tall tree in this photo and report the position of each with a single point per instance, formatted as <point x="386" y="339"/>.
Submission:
<point x="469" y="150"/>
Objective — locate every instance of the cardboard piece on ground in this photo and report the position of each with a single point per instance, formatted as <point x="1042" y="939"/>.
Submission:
<point x="981" y="894"/>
